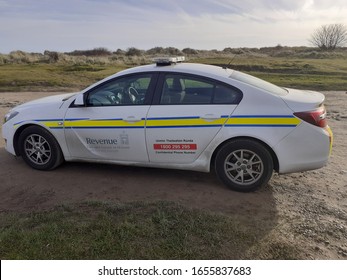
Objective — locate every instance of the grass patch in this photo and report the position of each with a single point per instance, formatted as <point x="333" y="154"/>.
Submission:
<point x="160" y="230"/>
<point x="302" y="73"/>
<point x="326" y="73"/>
<point x="52" y="77"/>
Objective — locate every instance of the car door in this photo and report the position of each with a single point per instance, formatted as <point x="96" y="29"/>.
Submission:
<point x="111" y="124"/>
<point x="189" y="111"/>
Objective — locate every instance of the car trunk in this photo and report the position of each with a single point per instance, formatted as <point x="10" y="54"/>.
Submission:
<point x="303" y="100"/>
<point x="307" y="106"/>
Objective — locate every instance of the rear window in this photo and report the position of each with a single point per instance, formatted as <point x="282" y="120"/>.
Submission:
<point x="259" y="83"/>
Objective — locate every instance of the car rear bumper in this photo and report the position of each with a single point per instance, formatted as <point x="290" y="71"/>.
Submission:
<point x="306" y="148"/>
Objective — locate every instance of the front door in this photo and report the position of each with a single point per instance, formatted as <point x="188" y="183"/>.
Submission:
<point x="112" y="124"/>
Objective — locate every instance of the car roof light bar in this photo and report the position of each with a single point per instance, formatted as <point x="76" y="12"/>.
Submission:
<point x="165" y="61"/>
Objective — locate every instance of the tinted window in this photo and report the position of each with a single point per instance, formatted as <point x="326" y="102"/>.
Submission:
<point x="185" y="89"/>
<point x="226" y="95"/>
<point x="259" y="83"/>
<point x="130" y="90"/>
<point x="179" y="89"/>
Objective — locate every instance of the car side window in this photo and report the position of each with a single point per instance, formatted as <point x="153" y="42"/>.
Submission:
<point x="186" y="89"/>
<point x="129" y="90"/>
<point x="181" y="89"/>
<point x="226" y="95"/>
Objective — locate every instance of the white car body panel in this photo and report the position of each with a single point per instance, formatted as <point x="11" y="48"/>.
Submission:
<point x="90" y="133"/>
<point x="309" y="152"/>
<point x="303" y="100"/>
<point x="180" y="133"/>
<point x="49" y="107"/>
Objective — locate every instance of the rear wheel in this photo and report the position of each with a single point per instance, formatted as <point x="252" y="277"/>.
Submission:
<point x="39" y="148"/>
<point x="244" y="165"/>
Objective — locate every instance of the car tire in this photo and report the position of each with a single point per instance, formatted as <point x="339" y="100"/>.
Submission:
<point x="244" y="165"/>
<point x="39" y="149"/>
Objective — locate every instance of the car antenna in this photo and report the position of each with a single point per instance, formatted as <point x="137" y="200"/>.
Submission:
<point x="229" y="63"/>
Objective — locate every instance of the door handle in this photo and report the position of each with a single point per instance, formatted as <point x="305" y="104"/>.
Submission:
<point x="210" y="117"/>
<point x="132" y="119"/>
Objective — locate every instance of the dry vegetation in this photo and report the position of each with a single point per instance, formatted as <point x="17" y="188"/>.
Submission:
<point x="297" y="67"/>
<point x="136" y="56"/>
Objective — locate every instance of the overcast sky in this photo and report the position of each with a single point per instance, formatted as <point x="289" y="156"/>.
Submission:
<point x="67" y="25"/>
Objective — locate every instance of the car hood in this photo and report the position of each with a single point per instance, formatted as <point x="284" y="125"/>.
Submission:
<point x="49" y="100"/>
<point x="303" y="100"/>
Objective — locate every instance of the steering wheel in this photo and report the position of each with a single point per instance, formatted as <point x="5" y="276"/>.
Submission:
<point x="133" y="94"/>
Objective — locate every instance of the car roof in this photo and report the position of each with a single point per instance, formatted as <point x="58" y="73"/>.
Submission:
<point x="210" y="71"/>
<point x="191" y="68"/>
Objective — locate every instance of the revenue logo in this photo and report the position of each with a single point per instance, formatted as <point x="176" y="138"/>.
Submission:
<point x="91" y="141"/>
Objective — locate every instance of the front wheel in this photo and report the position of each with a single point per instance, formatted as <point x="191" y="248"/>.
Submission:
<point x="39" y="148"/>
<point x="244" y="165"/>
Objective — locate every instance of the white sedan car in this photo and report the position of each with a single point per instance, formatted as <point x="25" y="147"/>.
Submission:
<point x="181" y="116"/>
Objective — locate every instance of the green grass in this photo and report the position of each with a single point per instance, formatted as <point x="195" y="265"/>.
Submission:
<point x="52" y="77"/>
<point x="160" y="230"/>
<point x="327" y="73"/>
<point x="315" y="74"/>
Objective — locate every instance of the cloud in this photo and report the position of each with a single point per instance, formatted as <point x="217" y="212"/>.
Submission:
<point x="35" y="25"/>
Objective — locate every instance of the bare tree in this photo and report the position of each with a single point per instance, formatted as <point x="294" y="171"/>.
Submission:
<point x="329" y="37"/>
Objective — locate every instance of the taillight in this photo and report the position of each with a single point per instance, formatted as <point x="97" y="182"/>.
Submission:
<point x="316" y="117"/>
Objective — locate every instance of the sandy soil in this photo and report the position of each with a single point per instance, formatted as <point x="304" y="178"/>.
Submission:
<point x="307" y="209"/>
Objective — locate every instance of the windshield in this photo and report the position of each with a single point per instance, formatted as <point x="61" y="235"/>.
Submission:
<point x="259" y="83"/>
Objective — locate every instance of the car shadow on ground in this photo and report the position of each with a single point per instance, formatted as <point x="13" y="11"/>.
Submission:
<point x="25" y="189"/>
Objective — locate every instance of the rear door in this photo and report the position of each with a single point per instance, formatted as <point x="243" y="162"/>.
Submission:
<point x="187" y="114"/>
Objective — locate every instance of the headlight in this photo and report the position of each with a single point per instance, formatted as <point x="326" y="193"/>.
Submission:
<point x="10" y="115"/>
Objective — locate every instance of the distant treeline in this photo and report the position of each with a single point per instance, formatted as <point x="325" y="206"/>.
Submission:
<point x="135" y="56"/>
<point x="272" y="51"/>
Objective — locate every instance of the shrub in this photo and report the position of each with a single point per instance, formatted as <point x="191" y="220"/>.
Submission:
<point x="93" y="52"/>
<point x="189" y="51"/>
<point x="134" y="52"/>
<point x="156" y="50"/>
<point x="52" y="57"/>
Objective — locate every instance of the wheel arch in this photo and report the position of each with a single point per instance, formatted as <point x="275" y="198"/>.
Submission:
<point x="20" y="130"/>
<point x="271" y="151"/>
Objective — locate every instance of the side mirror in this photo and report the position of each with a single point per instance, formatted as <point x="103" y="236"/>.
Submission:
<point x="79" y="101"/>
